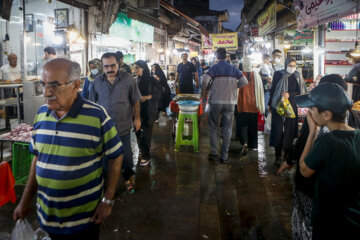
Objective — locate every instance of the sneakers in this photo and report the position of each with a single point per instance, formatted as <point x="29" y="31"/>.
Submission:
<point x="224" y="161"/>
<point x="144" y="162"/>
<point x="213" y="156"/>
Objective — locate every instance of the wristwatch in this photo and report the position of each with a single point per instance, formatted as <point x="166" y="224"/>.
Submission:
<point x="107" y="201"/>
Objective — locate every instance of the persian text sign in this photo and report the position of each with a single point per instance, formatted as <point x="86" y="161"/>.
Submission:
<point x="267" y="20"/>
<point x="225" y="40"/>
<point x="315" y="12"/>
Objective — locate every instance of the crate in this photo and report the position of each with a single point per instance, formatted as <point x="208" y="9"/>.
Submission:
<point x="21" y="162"/>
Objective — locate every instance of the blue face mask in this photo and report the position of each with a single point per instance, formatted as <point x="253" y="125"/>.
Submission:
<point x="94" y="71"/>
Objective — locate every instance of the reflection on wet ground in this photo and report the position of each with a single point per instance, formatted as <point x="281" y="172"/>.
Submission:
<point x="183" y="195"/>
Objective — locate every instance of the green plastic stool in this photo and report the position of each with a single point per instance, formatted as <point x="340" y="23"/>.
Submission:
<point x="194" y="140"/>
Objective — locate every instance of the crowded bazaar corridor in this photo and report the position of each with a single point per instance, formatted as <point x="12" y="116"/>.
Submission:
<point x="185" y="196"/>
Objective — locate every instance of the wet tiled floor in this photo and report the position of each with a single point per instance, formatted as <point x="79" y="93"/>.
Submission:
<point x="185" y="196"/>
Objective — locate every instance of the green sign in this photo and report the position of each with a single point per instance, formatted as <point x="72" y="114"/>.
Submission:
<point x="299" y="38"/>
<point x="131" y="29"/>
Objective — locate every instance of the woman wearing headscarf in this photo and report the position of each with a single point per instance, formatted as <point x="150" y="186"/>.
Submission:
<point x="304" y="187"/>
<point x="287" y="83"/>
<point x="250" y="101"/>
<point x="165" y="98"/>
<point x="96" y="69"/>
<point x="354" y="76"/>
<point x="151" y="91"/>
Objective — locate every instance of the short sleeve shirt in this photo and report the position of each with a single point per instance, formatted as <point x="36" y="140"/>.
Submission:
<point x="336" y="159"/>
<point x="186" y="74"/>
<point x="8" y="73"/>
<point x="118" y="99"/>
<point x="69" y="168"/>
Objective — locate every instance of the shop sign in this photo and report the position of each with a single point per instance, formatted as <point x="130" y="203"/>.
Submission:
<point x="267" y="20"/>
<point x="131" y="29"/>
<point x="225" y="40"/>
<point x="254" y="31"/>
<point x="299" y="38"/>
<point x="316" y="12"/>
<point x="206" y="42"/>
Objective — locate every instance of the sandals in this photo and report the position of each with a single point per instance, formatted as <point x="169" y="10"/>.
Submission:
<point x="244" y="150"/>
<point x="130" y="184"/>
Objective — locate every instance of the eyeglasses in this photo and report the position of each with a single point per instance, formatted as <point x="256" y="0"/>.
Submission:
<point x="109" y="66"/>
<point x="53" y="86"/>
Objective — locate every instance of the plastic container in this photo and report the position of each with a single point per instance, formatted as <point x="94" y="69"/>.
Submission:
<point x="188" y="106"/>
<point x="21" y="162"/>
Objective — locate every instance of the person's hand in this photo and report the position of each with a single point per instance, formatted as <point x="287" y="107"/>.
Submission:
<point x="269" y="79"/>
<point x="269" y="108"/>
<point x="156" y="77"/>
<point x="137" y="124"/>
<point x="312" y="124"/>
<point x="197" y="85"/>
<point x="20" y="212"/>
<point x="149" y="97"/>
<point x="284" y="166"/>
<point x="286" y="95"/>
<point x="102" y="211"/>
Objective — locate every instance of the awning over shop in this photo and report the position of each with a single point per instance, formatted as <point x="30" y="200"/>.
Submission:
<point x="194" y="24"/>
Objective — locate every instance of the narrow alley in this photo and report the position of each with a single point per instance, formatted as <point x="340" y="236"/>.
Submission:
<point x="185" y="196"/>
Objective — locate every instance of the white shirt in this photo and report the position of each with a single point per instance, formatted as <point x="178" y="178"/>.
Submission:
<point x="9" y="73"/>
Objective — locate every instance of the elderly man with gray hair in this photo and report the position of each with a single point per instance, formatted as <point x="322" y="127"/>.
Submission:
<point x="70" y="137"/>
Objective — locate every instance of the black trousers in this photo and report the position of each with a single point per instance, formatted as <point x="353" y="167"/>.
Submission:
<point x="144" y="139"/>
<point x="246" y="125"/>
<point x="92" y="233"/>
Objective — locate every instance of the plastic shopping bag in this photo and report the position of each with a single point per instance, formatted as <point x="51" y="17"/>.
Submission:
<point x="261" y="122"/>
<point x="268" y="123"/>
<point x="284" y="108"/>
<point x="23" y="231"/>
<point x="289" y="111"/>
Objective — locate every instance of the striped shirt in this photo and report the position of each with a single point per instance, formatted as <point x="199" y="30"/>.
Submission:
<point x="69" y="166"/>
<point x="223" y="80"/>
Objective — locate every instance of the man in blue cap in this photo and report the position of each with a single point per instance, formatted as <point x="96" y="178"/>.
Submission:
<point x="335" y="159"/>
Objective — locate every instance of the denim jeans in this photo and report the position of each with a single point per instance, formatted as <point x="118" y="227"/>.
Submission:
<point x="267" y="98"/>
<point x="226" y="112"/>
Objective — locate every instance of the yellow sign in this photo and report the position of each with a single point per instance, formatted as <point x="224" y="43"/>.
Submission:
<point x="225" y="40"/>
<point x="267" y="20"/>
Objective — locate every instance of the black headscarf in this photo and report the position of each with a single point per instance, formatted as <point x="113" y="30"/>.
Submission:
<point x="159" y="72"/>
<point x="145" y="79"/>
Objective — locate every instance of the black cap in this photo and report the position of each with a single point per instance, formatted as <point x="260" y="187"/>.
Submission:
<point x="328" y="96"/>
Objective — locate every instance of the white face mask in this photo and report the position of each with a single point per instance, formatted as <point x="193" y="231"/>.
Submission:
<point x="94" y="71"/>
<point x="291" y="70"/>
<point x="277" y="60"/>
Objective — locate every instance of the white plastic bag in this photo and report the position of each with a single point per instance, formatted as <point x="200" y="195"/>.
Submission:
<point x="268" y="123"/>
<point x="207" y="108"/>
<point x="23" y="231"/>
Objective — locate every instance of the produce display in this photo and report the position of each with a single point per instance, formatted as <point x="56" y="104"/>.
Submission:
<point x="356" y="106"/>
<point x="21" y="133"/>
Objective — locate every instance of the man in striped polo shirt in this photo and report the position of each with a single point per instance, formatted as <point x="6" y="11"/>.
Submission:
<point x="71" y="135"/>
<point x="223" y="81"/>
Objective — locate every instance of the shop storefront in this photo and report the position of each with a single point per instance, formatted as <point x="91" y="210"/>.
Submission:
<point x="127" y="35"/>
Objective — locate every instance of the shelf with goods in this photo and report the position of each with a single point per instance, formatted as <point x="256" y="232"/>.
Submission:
<point x="337" y="44"/>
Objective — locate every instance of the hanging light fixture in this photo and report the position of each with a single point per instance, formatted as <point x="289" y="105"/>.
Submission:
<point x="307" y="49"/>
<point x="356" y="53"/>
